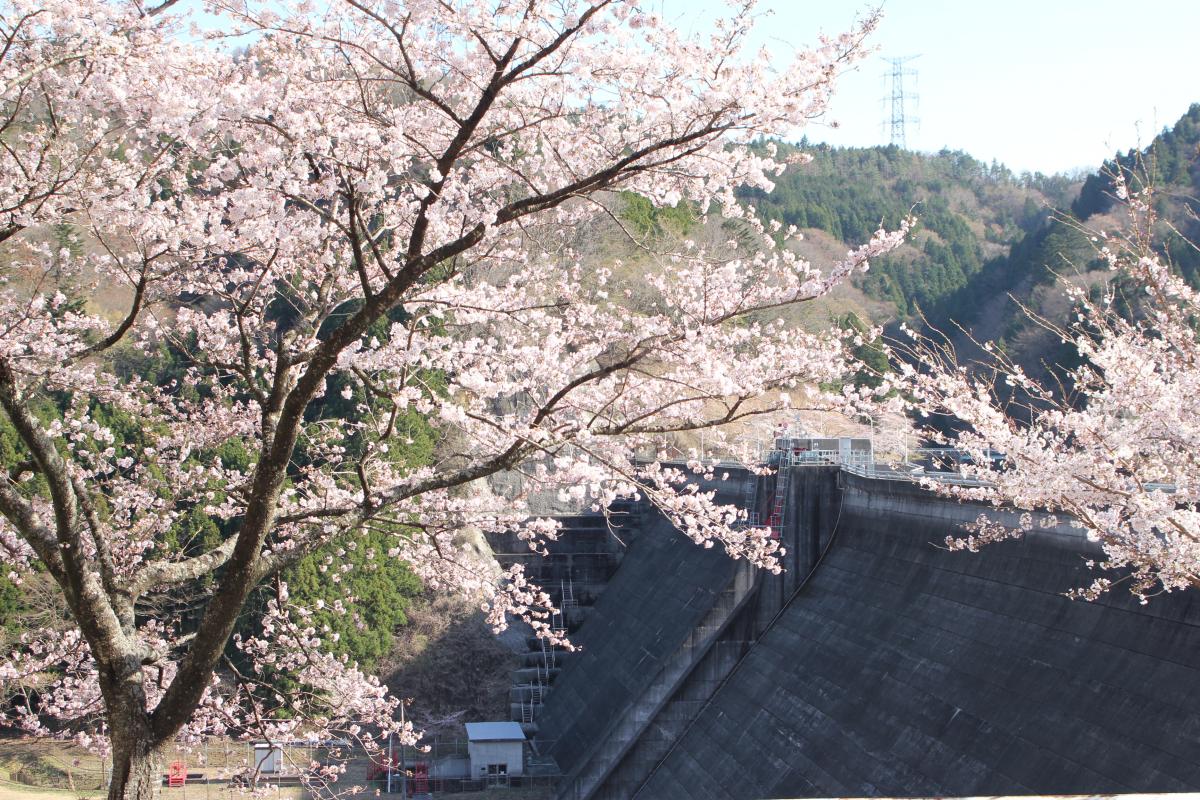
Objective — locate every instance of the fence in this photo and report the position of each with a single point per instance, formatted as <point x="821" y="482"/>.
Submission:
<point x="535" y="787"/>
<point x="442" y="766"/>
<point x="206" y="767"/>
<point x="914" y="476"/>
<point x="222" y="769"/>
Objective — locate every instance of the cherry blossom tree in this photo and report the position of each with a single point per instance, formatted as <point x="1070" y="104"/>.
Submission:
<point x="377" y="203"/>
<point x="1110" y="443"/>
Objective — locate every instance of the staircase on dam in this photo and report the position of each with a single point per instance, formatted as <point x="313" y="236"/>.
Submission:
<point x="877" y="663"/>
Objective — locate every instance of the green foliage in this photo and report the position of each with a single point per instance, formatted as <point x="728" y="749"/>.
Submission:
<point x="376" y="588"/>
<point x="12" y="450"/>
<point x="964" y="208"/>
<point x="648" y="220"/>
<point x="1170" y="161"/>
<point x="869" y="354"/>
<point x="67" y="238"/>
<point x="380" y="586"/>
<point x="1058" y="248"/>
<point x="12" y="606"/>
<point x="167" y="368"/>
<point x="1170" y="164"/>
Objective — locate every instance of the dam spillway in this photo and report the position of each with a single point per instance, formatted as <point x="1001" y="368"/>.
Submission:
<point x="879" y="663"/>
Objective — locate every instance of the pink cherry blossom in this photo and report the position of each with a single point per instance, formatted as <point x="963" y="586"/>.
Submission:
<point x="381" y="200"/>
<point x="1113" y="448"/>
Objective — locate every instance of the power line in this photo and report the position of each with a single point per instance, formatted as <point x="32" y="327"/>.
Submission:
<point x="900" y="116"/>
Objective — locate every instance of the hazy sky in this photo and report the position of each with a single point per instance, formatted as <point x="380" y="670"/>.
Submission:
<point x="1047" y="85"/>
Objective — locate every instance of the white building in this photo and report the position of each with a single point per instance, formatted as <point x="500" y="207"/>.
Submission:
<point x="496" y="749"/>
<point x="268" y="758"/>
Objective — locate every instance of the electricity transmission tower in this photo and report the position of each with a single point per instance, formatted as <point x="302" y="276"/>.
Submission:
<point x="894" y="79"/>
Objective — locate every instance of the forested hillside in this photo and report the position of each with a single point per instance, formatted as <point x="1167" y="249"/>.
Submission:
<point x="987" y="236"/>
<point x="1061" y="248"/>
<point x="1171" y="164"/>
<point x="970" y="214"/>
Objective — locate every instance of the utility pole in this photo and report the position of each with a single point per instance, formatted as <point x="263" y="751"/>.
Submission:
<point x="902" y="104"/>
<point x="403" y="765"/>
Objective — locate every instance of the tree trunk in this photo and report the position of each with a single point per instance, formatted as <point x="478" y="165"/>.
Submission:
<point x="137" y="769"/>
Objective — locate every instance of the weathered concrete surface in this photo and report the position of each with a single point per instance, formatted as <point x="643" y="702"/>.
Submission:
<point x="630" y="645"/>
<point x="810" y="515"/>
<point x="904" y="669"/>
<point x="630" y="725"/>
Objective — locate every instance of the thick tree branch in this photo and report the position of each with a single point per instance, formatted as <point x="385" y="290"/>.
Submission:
<point x="173" y="573"/>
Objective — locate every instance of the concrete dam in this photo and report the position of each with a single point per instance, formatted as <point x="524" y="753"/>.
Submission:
<point x="878" y="663"/>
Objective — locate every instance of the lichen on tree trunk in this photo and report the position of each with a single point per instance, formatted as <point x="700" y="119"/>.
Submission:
<point x="137" y="771"/>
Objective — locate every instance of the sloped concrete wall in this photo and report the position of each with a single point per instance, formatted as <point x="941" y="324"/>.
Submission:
<point x="665" y="587"/>
<point x="810" y="516"/>
<point x="905" y="669"/>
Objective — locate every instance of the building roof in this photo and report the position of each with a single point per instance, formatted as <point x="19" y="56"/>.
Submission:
<point x="495" y="732"/>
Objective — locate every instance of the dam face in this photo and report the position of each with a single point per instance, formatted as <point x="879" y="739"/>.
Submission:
<point x="879" y="663"/>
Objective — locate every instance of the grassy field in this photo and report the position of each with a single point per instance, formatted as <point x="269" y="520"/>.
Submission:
<point x="44" y="765"/>
<point x="44" y="769"/>
<point x="18" y="791"/>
